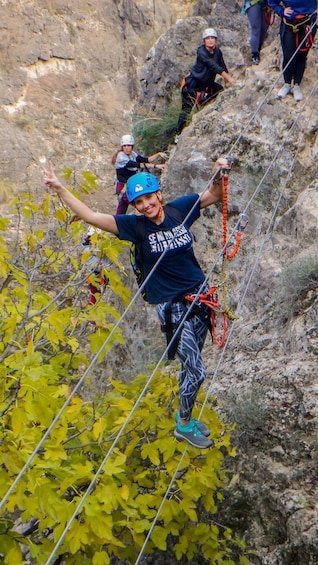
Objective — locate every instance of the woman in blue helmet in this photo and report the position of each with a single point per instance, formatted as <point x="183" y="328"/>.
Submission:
<point x="176" y="275"/>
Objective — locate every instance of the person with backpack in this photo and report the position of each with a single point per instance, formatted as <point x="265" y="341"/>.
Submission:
<point x="256" y="11"/>
<point x="127" y="163"/>
<point x="95" y="267"/>
<point x="95" y="264"/>
<point x="175" y="273"/>
<point x="199" y="86"/>
<point x="297" y="33"/>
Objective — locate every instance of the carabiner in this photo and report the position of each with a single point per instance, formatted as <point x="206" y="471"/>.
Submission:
<point x="242" y="222"/>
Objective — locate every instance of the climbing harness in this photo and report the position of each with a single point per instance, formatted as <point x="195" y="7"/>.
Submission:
<point x="210" y="299"/>
<point x="269" y="15"/>
<point x="203" y="96"/>
<point x="302" y="28"/>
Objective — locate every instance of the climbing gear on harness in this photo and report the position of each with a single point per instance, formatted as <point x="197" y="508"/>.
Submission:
<point x="209" y="32"/>
<point x="203" y="96"/>
<point x="173" y="331"/>
<point x="127" y="140"/>
<point x="210" y="299"/>
<point x="269" y="15"/>
<point x="301" y="26"/>
<point x="141" y="183"/>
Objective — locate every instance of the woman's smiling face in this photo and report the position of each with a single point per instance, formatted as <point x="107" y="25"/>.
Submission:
<point x="149" y="205"/>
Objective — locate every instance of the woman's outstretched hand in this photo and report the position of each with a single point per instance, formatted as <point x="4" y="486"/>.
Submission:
<point x="50" y="178"/>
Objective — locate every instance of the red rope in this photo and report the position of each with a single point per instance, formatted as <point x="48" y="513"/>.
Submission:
<point x="210" y="299"/>
<point x="269" y="16"/>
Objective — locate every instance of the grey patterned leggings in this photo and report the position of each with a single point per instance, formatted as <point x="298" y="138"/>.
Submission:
<point x="192" y="372"/>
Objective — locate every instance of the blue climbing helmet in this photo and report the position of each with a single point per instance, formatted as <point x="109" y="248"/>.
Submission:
<point x="141" y="183"/>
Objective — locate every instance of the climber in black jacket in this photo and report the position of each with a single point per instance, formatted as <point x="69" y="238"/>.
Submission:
<point x="201" y="79"/>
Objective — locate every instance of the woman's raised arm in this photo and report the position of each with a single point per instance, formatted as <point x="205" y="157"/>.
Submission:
<point x="105" y="222"/>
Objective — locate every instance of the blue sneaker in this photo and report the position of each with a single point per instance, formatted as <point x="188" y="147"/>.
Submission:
<point x="201" y="427"/>
<point x="192" y="435"/>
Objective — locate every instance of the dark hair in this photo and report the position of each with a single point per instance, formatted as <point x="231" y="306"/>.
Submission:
<point x="114" y="157"/>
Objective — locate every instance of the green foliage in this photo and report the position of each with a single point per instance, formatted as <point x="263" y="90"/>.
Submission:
<point x="297" y="279"/>
<point x="155" y="133"/>
<point x="42" y="358"/>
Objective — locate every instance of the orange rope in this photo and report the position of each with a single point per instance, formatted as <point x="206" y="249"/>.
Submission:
<point x="238" y="234"/>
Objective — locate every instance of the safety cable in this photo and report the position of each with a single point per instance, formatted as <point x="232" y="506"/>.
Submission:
<point x="79" y="384"/>
<point x="224" y="350"/>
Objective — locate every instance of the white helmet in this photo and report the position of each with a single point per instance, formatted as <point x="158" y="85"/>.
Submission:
<point x="209" y="32"/>
<point x="127" y="140"/>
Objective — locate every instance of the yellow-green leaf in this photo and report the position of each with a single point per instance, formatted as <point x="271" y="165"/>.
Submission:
<point x="100" y="558"/>
<point x="159" y="536"/>
<point x="124" y="491"/>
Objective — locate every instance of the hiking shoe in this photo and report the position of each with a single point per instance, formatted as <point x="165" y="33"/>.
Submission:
<point x="284" y="91"/>
<point x="192" y="435"/>
<point x="201" y="427"/>
<point x="255" y="59"/>
<point x="298" y="95"/>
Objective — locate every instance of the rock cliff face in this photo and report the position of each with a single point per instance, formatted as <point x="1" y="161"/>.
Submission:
<point x="69" y="74"/>
<point x="70" y="79"/>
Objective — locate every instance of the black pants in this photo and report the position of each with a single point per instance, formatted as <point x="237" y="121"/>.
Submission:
<point x="188" y="98"/>
<point x="295" y="69"/>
